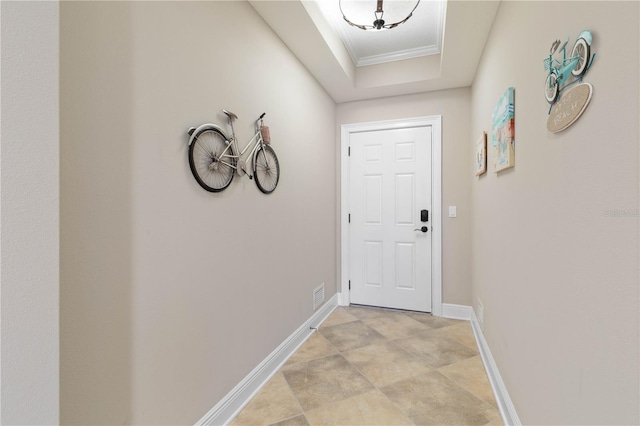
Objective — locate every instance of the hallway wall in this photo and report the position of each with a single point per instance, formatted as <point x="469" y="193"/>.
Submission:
<point x="29" y="213"/>
<point x="171" y="295"/>
<point x="454" y="107"/>
<point x="554" y="264"/>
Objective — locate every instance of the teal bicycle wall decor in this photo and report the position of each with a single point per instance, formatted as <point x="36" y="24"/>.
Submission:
<point x="576" y="65"/>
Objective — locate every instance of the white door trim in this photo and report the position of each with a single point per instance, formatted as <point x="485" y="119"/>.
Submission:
<point x="436" y="169"/>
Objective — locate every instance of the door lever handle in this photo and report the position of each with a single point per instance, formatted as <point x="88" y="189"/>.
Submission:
<point x="423" y="229"/>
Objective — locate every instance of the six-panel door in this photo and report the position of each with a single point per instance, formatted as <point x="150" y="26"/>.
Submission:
<point x="390" y="183"/>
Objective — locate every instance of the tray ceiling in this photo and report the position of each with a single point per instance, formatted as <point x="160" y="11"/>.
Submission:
<point x="446" y="52"/>
<point x="421" y="35"/>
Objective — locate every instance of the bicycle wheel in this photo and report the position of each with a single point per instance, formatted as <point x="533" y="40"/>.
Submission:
<point x="582" y="50"/>
<point x="210" y="160"/>
<point x="551" y="88"/>
<point x="266" y="169"/>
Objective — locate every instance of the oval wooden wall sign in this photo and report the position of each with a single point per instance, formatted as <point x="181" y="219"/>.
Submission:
<point x="569" y="107"/>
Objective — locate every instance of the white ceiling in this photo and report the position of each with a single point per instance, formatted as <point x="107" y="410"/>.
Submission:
<point x="421" y="35"/>
<point x="302" y="26"/>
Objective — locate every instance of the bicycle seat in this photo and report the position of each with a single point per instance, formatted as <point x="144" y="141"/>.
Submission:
<point x="231" y="115"/>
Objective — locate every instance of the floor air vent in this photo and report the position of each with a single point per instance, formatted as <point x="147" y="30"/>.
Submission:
<point x="318" y="296"/>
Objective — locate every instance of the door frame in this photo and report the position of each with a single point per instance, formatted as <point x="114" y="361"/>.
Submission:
<point x="435" y="122"/>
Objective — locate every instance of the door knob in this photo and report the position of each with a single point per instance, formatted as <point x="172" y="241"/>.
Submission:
<point x="423" y="229"/>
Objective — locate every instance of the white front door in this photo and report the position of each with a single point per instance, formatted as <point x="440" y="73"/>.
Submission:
<point x="389" y="188"/>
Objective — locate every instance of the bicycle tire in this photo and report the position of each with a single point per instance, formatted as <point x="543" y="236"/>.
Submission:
<point x="551" y="88"/>
<point x="211" y="174"/>
<point x="582" y="49"/>
<point x="266" y="169"/>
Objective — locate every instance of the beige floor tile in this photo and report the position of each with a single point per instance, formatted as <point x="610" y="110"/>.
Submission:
<point x="496" y="420"/>
<point x="300" y="420"/>
<point x="362" y="312"/>
<point x="324" y="380"/>
<point x="316" y="346"/>
<point x="396" y="325"/>
<point x="370" y="408"/>
<point x="461" y="332"/>
<point x="368" y="312"/>
<point x="331" y="377"/>
<point x="431" y="321"/>
<point x="471" y="375"/>
<point x="433" y="399"/>
<point x="351" y="335"/>
<point x="436" y="350"/>
<point x="338" y="316"/>
<point x="273" y="403"/>
<point x="385" y="363"/>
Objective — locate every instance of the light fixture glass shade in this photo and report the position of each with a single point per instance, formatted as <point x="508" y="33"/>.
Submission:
<point x="382" y="14"/>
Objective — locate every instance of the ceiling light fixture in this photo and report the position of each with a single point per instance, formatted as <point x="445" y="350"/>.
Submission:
<point x="379" y="23"/>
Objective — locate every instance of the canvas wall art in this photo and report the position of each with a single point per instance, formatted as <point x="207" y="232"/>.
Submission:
<point x="481" y="154"/>
<point x="503" y="141"/>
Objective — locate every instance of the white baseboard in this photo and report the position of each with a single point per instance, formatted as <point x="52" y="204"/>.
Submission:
<point x="342" y="300"/>
<point x="459" y="312"/>
<point x="506" y="407"/>
<point x="225" y="410"/>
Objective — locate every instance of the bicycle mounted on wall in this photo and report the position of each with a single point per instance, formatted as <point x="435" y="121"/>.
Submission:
<point x="214" y="157"/>
<point x="575" y="65"/>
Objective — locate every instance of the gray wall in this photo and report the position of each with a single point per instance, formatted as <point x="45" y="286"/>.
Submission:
<point x="557" y="274"/>
<point x="29" y="220"/>
<point x="170" y="295"/>
<point x="454" y="107"/>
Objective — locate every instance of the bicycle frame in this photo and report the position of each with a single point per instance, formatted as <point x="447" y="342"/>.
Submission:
<point x="562" y="68"/>
<point x="257" y="142"/>
<point x="232" y="143"/>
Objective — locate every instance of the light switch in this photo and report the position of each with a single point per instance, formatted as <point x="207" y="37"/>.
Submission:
<point x="452" y="211"/>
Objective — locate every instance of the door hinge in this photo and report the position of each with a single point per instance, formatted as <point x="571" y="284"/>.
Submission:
<point x="349" y="217"/>
<point x="349" y="284"/>
<point x="349" y="151"/>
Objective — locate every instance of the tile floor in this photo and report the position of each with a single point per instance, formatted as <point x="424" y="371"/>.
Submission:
<point x="368" y="366"/>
